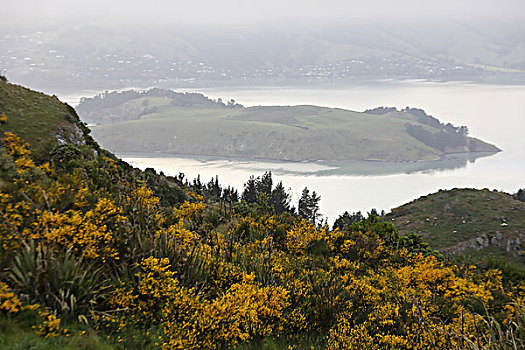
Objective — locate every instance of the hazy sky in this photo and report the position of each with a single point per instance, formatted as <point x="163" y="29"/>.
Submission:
<point x="248" y="12"/>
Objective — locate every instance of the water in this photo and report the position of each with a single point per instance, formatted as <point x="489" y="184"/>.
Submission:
<point x="493" y="113"/>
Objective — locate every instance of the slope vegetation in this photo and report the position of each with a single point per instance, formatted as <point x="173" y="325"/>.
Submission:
<point x="466" y="222"/>
<point x="40" y="119"/>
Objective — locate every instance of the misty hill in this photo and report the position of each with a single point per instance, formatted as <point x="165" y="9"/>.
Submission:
<point x="105" y="57"/>
<point x="466" y="222"/>
<point x="191" y="124"/>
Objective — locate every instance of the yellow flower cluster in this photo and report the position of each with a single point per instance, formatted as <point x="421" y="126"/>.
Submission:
<point x="50" y="326"/>
<point x="87" y="229"/>
<point x="9" y="302"/>
<point x="301" y="235"/>
<point x="12" y="214"/>
<point x="182" y="236"/>
<point x="90" y="233"/>
<point x="189" y="211"/>
<point x="244" y="312"/>
<point x="19" y="150"/>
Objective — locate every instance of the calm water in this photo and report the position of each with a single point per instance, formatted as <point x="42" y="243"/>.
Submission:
<point x="495" y="114"/>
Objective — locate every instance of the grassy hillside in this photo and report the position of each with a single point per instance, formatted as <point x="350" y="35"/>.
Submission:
<point x="270" y="132"/>
<point x="40" y="119"/>
<point x="466" y="222"/>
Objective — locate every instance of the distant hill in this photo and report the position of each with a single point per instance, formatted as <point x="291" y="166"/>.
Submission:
<point x="191" y="124"/>
<point x="101" y="56"/>
<point x="466" y="222"/>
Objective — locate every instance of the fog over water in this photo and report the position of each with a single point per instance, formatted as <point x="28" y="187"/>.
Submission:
<point x="230" y="12"/>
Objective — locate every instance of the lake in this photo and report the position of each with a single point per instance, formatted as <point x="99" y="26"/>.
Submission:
<point x="493" y="113"/>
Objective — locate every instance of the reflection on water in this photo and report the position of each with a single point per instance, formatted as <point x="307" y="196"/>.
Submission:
<point x="162" y="161"/>
<point x="447" y="162"/>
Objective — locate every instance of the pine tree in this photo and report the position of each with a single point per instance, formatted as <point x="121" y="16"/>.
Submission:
<point x="265" y="184"/>
<point x="314" y="204"/>
<point x="344" y="221"/>
<point x="308" y="207"/>
<point x="280" y="199"/>
<point x="250" y="190"/>
<point x="303" y="207"/>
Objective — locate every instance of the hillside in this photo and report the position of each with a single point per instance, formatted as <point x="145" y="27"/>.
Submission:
<point x="97" y="255"/>
<point x="40" y="119"/>
<point x="466" y="222"/>
<point x="171" y="124"/>
<point x="100" y="56"/>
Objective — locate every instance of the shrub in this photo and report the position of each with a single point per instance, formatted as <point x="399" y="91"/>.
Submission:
<point x="57" y="280"/>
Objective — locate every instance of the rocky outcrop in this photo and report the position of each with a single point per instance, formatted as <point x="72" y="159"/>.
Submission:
<point x="511" y="242"/>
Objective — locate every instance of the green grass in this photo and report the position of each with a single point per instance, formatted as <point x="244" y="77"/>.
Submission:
<point x="17" y="334"/>
<point x="273" y="132"/>
<point x="37" y="118"/>
<point x="298" y="343"/>
<point x="447" y="219"/>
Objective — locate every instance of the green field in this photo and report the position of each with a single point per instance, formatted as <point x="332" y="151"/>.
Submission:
<point x="296" y="133"/>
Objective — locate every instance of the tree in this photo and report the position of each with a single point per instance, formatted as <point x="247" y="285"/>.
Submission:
<point x="229" y="196"/>
<point x="303" y="207"/>
<point x="214" y="188"/>
<point x="314" y="204"/>
<point x="280" y="200"/>
<point x="265" y="184"/>
<point x="233" y="104"/>
<point x="520" y="195"/>
<point x="308" y="207"/>
<point x="197" y="183"/>
<point x="260" y="190"/>
<point x="250" y="191"/>
<point x="343" y="222"/>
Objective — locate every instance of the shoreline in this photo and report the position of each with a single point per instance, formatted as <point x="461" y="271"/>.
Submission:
<point x="157" y="154"/>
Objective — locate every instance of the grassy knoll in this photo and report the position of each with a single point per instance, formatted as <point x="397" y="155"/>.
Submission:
<point x="466" y="222"/>
<point x="40" y="119"/>
<point x="295" y="133"/>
